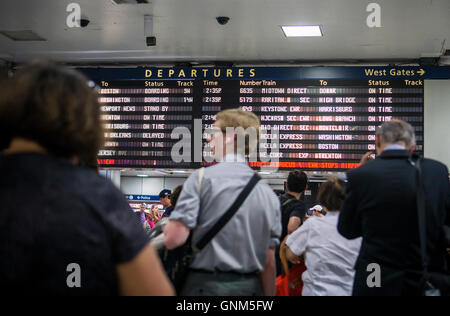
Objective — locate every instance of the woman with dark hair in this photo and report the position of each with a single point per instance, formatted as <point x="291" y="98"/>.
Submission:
<point x="330" y="258"/>
<point x="64" y="230"/>
<point x="175" y="195"/>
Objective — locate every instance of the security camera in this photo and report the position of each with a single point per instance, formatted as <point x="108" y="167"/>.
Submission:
<point x="151" y="41"/>
<point x="150" y="38"/>
<point x="84" y="22"/>
<point x="222" y="20"/>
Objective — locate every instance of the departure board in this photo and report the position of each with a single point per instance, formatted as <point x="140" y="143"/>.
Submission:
<point x="325" y="118"/>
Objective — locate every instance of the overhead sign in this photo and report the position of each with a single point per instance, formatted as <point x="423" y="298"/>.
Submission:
<point x="326" y="116"/>
<point x="131" y="197"/>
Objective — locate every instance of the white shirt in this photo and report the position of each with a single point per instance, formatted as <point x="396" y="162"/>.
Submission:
<point x="330" y="258"/>
<point x="233" y="158"/>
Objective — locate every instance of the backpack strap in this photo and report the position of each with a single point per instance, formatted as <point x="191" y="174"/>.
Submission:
<point x="201" y="174"/>
<point x="287" y="202"/>
<point x="228" y="214"/>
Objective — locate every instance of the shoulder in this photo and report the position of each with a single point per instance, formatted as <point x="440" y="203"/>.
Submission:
<point x="436" y="165"/>
<point x="308" y="226"/>
<point x="364" y="170"/>
<point x="435" y="170"/>
<point x="298" y="204"/>
<point x="315" y="221"/>
<point x="194" y="177"/>
<point x="268" y="191"/>
<point x="296" y="208"/>
<point x="366" y="167"/>
<point x="195" y="174"/>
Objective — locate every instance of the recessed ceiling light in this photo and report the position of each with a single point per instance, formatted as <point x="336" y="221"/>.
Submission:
<point x="143" y="175"/>
<point x="130" y="1"/>
<point x="302" y="30"/>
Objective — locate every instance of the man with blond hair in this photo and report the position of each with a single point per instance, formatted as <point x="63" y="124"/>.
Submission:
<point x="381" y="207"/>
<point x="239" y="260"/>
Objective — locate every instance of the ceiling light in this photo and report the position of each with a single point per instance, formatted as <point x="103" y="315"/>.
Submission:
<point x="130" y="1"/>
<point x="302" y="30"/>
<point x="142" y="175"/>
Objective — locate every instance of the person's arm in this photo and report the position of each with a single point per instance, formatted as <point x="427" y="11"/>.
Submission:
<point x="292" y="257"/>
<point x="184" y="217"/>
<point x="296" y="242"/>
<point x="176" y="233"/>
<point x="137" y="266"/>
<point x="367" y="157"/>
<point x="349" y="224"/>
<point x="296" y="217"/>
<point x="294" y="223"/>
<point x="144" y="276"/>
<point x="268" y="276"/>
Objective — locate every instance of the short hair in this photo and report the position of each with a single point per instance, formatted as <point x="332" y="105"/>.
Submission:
<point x="55" y="107"/>
<point x="175" y="195"/>
<point x="238" y="118"/>
<point x="297" y="181"/>
<point x="397" y="131"/>
<point x="332" y="194"/>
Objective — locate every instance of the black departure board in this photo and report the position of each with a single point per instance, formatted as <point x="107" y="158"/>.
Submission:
<point x="325" y="118"/>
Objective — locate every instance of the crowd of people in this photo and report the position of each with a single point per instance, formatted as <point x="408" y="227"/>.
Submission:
<point x="50" y="132"/>
<point x="150" y="217"/>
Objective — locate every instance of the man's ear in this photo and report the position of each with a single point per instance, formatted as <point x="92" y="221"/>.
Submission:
<point x="412" y="148"/>
<point x="230" y="138"/>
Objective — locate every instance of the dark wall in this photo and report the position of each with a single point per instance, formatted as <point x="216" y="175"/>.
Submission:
<point x="3" y="71"/>
<point x="4" y="141"/>
<point x="311" y="200"/>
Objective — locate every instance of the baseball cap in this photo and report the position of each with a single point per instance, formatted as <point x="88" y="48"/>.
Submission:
<point x="316" y="208"/>
<point x="164" y="193"/>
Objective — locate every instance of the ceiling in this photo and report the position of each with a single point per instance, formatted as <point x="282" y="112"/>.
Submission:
<point x="186" y="30"/>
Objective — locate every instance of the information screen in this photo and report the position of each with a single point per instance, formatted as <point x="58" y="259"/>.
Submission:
<point x="326" y="118"/>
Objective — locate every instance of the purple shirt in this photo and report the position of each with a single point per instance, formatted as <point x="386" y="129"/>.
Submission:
<point x="143" y="218"/>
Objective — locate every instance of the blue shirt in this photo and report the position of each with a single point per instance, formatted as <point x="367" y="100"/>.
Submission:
<point x="53" y="214"/>
<point x="394" y="147"/>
